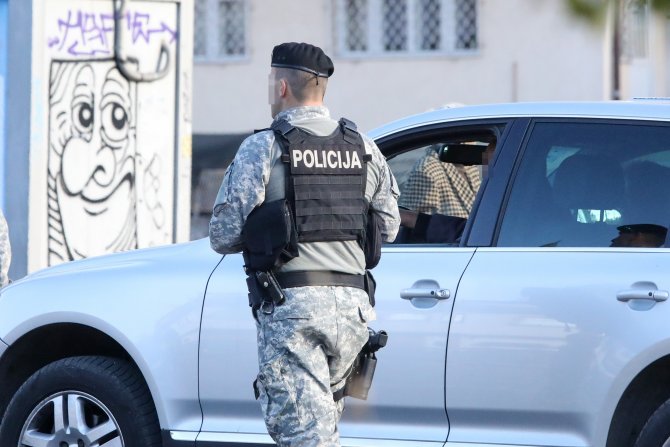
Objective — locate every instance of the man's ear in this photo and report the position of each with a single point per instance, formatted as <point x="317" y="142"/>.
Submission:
<point x="283" y="88"/>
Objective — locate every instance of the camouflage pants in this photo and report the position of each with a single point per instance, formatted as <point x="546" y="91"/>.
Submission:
<point x="305" y="349"/>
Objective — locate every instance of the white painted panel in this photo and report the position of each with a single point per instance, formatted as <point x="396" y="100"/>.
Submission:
<point x="110" y="161"/>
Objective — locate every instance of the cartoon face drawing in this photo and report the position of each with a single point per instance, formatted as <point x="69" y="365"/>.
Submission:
<point x="91" y="161"/>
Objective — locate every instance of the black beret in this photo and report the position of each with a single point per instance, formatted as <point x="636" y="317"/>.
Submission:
<point x="302" y="56"/>
<point x="658" y="230"/>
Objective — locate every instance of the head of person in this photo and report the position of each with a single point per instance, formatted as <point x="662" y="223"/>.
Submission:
<point x="640" y="235"/>
<point x="298" y="76"/>
<point x="487" y="157"/>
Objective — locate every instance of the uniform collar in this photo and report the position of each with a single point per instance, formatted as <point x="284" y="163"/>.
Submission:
<point x="303" y="113"/>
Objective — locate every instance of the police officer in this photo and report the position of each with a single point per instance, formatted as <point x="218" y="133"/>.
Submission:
<point x="330" y="174"/>
<point x="5" y="251"/>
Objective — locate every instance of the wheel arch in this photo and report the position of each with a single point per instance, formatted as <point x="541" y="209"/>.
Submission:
<point x="645" y="393"/>
<point x="55" y="341"/>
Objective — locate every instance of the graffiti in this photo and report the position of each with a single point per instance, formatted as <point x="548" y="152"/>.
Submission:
<point x="91" y="161"/>
<point x="82" y="33"/>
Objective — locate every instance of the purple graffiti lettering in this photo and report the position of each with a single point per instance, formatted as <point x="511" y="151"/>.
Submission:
<point x="139" y="24"/>
<point x="140" y="28"/>
<point x="165" y="28"/>
<point x="90" y="33"/>
<point x="67" y="24"/>
<point x="74" y="51"/>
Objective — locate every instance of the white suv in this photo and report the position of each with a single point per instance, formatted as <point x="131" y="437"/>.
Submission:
<point x="546" y="323"/>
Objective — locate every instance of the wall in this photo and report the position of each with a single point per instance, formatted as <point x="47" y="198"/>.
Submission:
<point x="530" y="50"/>
<point x="107" y="159"/>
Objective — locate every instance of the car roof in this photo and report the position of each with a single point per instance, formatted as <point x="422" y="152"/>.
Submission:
<point x="644" y="109"/>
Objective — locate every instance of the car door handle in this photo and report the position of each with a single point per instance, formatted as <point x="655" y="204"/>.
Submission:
<point x="438" y="294"/>
<point x="641" y="294"/>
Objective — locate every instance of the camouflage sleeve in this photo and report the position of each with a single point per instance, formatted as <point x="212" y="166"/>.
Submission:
<point x="385" y="198"/>
<point x="242" y="189"/>
<point x="5" y="251"/>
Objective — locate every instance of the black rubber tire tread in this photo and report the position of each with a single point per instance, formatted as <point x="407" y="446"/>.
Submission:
<point x="656" y="430"/>
<point x="115" y="382"/>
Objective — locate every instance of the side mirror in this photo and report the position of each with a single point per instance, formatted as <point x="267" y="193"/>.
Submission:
<point x="464" y="154"/>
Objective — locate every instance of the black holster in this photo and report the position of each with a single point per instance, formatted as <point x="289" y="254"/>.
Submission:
<point x="256" y="295"/>
<point x="359" y="380"/>
<point x="265" y="292"/>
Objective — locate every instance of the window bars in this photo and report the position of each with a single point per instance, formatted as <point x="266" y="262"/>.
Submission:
<point x="220" y="30"/>
<point x="406" y="27"/>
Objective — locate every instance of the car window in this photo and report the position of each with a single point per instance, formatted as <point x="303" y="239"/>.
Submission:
<point x="591" y="185"/>
<point x="439" y="181"/>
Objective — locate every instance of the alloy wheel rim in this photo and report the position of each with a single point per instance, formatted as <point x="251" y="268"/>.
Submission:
<point x="71" y="419"/>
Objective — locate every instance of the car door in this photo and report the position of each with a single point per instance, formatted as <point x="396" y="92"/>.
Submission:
<point x="415" y="288"/>
<point x="551" y="323"/>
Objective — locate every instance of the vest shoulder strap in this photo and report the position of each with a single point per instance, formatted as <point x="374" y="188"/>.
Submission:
<point x="349" y="131"/>
<point x="351" y="135"/>
<point x="283" y="128"/>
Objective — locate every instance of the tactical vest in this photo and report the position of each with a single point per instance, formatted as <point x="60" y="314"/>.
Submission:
<point x="325" y="181"/>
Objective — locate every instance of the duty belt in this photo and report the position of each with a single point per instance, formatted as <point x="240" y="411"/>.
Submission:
<point x="319" y="278"/>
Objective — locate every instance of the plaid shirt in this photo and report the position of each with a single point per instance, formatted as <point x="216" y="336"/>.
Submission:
<point x="435" y="187"/>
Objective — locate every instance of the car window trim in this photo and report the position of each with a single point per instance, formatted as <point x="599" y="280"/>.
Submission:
<point x="406" y="137"/>
<point x="433" y="130"/>
<point x="487" y="209"/>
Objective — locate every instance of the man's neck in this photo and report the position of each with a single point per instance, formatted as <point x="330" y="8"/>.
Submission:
<point x="294" y="104"/>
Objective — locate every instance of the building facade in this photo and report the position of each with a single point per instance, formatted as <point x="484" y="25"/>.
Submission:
<point x="398" y="57"/>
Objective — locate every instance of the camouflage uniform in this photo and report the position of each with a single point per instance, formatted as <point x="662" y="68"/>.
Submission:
<point x="307" y="345"/>
<point x="5" y="251"/>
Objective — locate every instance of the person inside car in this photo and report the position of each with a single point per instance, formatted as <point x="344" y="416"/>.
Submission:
<point x="425" y="224"/>
<point x="435" y="187"/>
<point x="640" y="235"/>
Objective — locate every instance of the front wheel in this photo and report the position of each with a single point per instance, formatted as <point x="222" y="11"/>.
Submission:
<point x="84" y="402"/>
<point x="656" y="431"/>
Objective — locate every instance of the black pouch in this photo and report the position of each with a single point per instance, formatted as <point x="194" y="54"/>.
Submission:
<point x="370" y="286"/>
<point x="256" y="296"/>
<point x="269" y="236"/>
<point x="372" y="244"/>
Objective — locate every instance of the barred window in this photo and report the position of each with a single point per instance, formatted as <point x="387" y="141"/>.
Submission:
<point x="356" y="26"/>
<point x="395" y="25"/>
<point x="635" y="16"/>
<point x="406" y="27"/>
<point x="220" y="30"/>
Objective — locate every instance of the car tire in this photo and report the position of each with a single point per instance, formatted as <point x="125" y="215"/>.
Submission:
<point x="83" y="401"/>
<point x="656" y="431"/>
